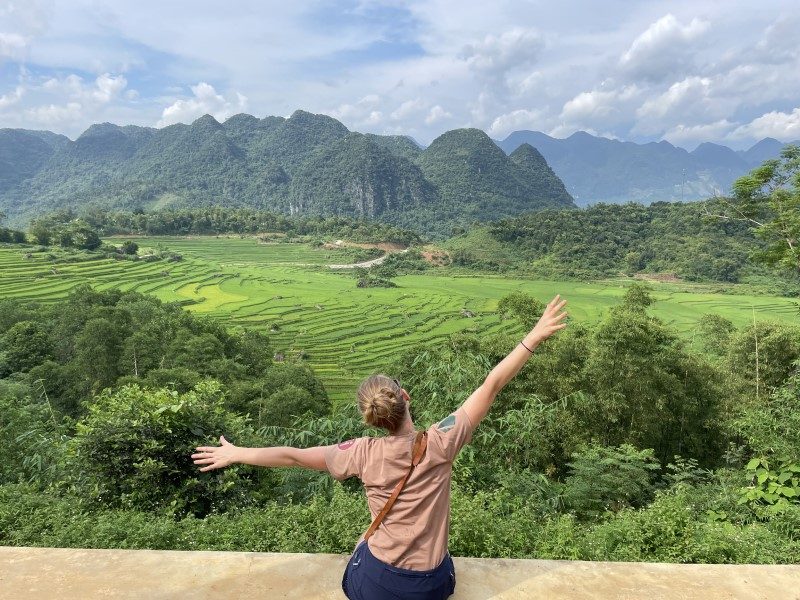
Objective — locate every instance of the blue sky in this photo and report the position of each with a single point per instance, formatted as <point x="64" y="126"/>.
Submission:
<point x="685" y="71"/>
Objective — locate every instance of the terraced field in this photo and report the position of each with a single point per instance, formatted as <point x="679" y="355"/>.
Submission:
<point x="345" y="332"/>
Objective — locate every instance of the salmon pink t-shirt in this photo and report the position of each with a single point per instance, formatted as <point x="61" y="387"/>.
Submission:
<point x="413" y="535"/>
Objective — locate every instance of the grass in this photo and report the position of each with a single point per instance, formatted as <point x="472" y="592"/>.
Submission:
<point x="346" y="332"/>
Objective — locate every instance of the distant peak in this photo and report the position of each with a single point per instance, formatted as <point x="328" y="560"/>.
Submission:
<point x="463" y="134"/>
<point x="302" y="117"/>
<point x="525" y="150"/>
<point x="242" y="117"/>
<point x="206" y="121"/>
<point x="100" y="129"/>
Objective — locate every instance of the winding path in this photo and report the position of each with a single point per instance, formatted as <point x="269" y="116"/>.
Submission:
<point x="367" y="263"/>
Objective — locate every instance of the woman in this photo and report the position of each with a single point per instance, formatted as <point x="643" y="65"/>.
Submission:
<point x="407" y="557"/>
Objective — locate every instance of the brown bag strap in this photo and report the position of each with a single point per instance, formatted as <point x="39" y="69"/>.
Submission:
<point x="420" y="443"/>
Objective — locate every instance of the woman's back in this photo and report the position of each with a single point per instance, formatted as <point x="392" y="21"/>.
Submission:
<point x="415" y="531"/>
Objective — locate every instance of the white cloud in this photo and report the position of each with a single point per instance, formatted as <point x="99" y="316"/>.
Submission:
<point x="780" y="125"/>
<point x="11" y="98"/>
<point x="598" y="107"/>
<point x="436" y="114"/>
<point x="361" y="112"/>
<point x="104" y="89"/>
<point x="679" y="96"/>
<point x="664" y="48"/>
<point x="108" y="87"/>
<point x="530" y="83"/>
<point x="683" y="135"/>
<point x="515" y="120"/>
<point x="625" y="71"/>
<point x="12" y="45"/>
<point x="375" y="117"/>
<point x="513" y="49"/>
<point x="55" y="115"/>
<point x="205" y="100"/>
<point x="408" y="108"/>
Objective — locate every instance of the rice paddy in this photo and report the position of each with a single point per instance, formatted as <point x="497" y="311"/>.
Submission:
<point x="345" y="332"/>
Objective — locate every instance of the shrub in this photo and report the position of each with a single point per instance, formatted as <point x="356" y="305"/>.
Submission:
<point x="609" y="479"/>
<point x="132" y="450"/>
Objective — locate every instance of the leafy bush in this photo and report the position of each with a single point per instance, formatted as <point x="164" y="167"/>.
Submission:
<point x="774" y="485"/>
<point x="132" y="450"/>
<point x="32" y="438"/>
<point x="609" y="479"/>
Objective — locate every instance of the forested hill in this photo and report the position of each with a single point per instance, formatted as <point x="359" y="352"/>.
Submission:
<point x="671" y="239"/>
<point x="306" y="164"/>
<point x="597" y="169"/>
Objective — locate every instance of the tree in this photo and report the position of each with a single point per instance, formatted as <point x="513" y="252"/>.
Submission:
<point x="98" y="349"/>
<point x="764" y="353"/>
<point x="25" y="345"/>
<point x="41" y="232"/>
<point x="768" y="199"/>
<point x="129" y="247"/>
<point x="523" y="307"/>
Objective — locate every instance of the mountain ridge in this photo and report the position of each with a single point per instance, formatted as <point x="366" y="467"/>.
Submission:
<point x="598" y="169"/>
<point x="303" y="164"/>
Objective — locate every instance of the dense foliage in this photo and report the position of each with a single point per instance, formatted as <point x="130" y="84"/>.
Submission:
<point x="220" y="219"/>
<point x="609" y="240"/>
<point x="768" y="199"/>
<point x="616" y="441"/>
<point x="95" y="340"/>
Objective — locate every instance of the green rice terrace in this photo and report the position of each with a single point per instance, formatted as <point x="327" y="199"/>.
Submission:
<point x="344" y="332"/>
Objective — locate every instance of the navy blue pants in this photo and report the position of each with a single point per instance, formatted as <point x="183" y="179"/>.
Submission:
<point x="368" y="578"/>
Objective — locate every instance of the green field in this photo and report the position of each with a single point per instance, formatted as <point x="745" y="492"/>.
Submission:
<point x="286" y="290"/>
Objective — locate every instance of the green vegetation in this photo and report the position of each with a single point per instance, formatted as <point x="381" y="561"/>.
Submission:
<point x="660" y="426"/>
<point x="768" y="199"/>
<point x="310" y="310"/>
<point x="676" y="239"/>
<point x="617" y="441"/>
<point x="222" y="220"/>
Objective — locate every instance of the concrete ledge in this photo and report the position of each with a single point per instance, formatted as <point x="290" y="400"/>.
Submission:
<point x="69" y="573"/>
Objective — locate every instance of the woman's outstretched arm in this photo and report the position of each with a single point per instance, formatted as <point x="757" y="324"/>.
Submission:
<point x="217" y="457"/>
<point x="479" y="403"/>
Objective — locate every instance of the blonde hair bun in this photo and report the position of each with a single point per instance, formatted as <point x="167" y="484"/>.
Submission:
<point x="381" y="402"/>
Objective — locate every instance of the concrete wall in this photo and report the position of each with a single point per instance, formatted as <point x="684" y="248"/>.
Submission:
<point x="66" y="574"/>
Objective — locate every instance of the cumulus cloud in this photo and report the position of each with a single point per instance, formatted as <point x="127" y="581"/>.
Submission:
<point x="529" y="83"/>
<point x="84" y="99"/>
<point x="7" y="100"/>
<point x="683" y="135"/>
<point x="362" y="112"/>
<point x="599" y="109"/>
<point x="515" y="120"/>
<point x="108" y="87"/>
<point x="12" y="45"/>
<point x="663" y="49"/>
<point x="102" y="90"/>
<point x="776" y="124"/>
<point x="436" y="114"/>
<point x="205" y="100"/>
<point x="408" y="109"/>
<point x="692" y="101"/>
<point x="495" y="55"/>
<point x="54" y="114"/>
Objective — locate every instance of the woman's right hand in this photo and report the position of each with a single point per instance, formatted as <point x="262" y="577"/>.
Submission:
<point x="216" y="457"/>
<point x="549" y="322"/>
